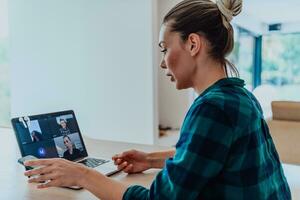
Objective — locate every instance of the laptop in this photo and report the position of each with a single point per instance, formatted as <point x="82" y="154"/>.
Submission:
<point x="56" y="135"/>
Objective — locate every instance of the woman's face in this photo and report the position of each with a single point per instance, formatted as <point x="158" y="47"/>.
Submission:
<point x="177" y="60"/>
<point x="63" y="124"/>
<point x="68" y="143"/>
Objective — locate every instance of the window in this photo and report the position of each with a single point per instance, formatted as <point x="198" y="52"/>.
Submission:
<point x="242" y="55"/>
<point x="269" y="64"/>
<point x="4" y="67"/>
<point x="281" y="64"/>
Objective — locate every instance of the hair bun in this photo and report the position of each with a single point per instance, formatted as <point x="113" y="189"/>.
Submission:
<point x="230" y="8"/>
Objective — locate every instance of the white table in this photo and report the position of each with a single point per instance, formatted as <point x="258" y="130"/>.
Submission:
<point x="14" y="186"/>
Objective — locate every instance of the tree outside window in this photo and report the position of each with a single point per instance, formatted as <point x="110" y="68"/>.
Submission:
<point x="281" y="64"/>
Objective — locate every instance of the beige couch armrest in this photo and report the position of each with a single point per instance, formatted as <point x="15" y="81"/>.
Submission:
<point x="286" y="136"/>
<point x="286" y="110"/>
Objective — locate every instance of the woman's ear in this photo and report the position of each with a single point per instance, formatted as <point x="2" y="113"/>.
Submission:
<point x="194" y="43"/>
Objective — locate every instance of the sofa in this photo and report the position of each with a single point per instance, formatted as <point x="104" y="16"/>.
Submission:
<point x="284" y="127"/>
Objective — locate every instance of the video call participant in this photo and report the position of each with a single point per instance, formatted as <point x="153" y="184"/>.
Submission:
<point x="64" y="130"/>
<point x="36" y="136"/>
<point x="71" y="153"/>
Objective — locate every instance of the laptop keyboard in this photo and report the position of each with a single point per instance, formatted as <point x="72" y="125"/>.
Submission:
<point x="93" y="162"/>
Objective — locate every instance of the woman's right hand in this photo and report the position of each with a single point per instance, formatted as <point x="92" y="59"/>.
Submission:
<point x="132" y="161"/>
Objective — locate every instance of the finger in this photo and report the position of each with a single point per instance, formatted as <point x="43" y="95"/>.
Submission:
<point x="128" y="169"/>
<point x="116" y="156"/>
<point x="122" y="165"/>
<point x="118" y="161"/>
<point x="42" y="178"/>
<point x="53" y="183"/>
<point x="41" y="170"/>
<point x="126" y="153"/>
<point x="40" y="162"/>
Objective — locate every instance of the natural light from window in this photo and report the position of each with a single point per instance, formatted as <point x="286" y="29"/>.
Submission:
<point x="281" y="65"/>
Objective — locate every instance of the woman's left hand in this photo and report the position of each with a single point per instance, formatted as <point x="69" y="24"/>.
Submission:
<point x="56" y="172"/>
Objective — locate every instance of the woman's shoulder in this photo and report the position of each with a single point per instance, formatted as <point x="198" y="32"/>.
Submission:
<point x="66" y="152"/>
<point x="236" y="104"/>
<point x="227" y="98"/>
<point x="217" y="97"/>
<point x="76" y="150"/>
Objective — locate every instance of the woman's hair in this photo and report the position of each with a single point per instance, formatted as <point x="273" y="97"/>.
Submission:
<point x="210" y="19"/>
<point x="66" y="136"/>
<point x="62" y="120"/>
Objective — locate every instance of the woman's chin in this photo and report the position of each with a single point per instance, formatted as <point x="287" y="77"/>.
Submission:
<point x="181" y="86"/>
<point x="178" y="86"/>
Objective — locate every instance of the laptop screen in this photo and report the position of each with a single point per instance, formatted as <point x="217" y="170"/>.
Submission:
<point x="50" y="135"/>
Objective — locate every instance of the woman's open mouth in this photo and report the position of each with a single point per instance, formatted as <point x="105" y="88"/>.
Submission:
<point x="171" y="77"/>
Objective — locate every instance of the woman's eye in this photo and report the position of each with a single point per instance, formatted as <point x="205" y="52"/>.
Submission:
<point x="163" y="50"/>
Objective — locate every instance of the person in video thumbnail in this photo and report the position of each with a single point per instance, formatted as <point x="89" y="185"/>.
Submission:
<point x="71" y="153"/>
<point x="64" y="130"/>
<point x="36" y="136"/>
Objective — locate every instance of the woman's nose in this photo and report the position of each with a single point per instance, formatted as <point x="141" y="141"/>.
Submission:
<point x="163" y="64"/>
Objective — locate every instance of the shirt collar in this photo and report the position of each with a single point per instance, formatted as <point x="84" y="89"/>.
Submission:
<point x="224" y="82"/>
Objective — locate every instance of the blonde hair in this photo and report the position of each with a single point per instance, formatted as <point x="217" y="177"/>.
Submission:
<point x="211" y="19"/>
<point x="229" y="9"/>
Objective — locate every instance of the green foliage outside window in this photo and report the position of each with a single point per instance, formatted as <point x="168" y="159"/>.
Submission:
<point x="281" y="60"/>
<point x="242" y="56"/>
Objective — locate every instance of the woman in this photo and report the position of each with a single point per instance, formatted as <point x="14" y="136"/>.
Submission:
<point x="225" y="150"/>
<point x="36" y="136"/>
<point x="64" y="130"/>
<point x="71" y="153"/>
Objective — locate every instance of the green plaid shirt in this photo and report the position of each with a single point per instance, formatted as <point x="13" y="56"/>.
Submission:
<point x="225" y="151"/>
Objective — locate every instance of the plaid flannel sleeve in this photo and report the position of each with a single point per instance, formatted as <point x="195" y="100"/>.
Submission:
<point x="201" y="151"/>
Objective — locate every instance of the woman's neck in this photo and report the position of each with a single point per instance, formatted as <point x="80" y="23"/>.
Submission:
<point x="208" y="73"/>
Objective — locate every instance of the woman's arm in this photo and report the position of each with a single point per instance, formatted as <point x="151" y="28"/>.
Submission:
<point x="157" y="159"/>
<point x="102" y="186"/>
<point x="61" y="172"/>
<point x="134" y="161"/>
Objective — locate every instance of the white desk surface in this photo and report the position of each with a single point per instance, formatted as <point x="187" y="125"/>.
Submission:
<point x="14" y="186"/>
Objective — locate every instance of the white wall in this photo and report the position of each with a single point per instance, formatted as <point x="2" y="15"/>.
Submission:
<point x="3" y="19"/>
<point x="95" y="57"/>
<point x="173" y="104"/>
